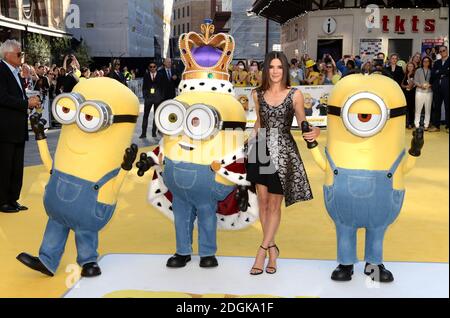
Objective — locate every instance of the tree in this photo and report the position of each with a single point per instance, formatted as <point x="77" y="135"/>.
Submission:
<point x="38" y="49"/>
<point x="82" y="54"/>
<point x="60" y="47"/>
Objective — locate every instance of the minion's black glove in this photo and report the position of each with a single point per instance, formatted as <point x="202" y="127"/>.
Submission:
<point x="129" y="157"/>
<point x="242" y="198"/>
<point x="417" y="142"/>
<point x="38" y="126"/>
<point x="144" y="164"/>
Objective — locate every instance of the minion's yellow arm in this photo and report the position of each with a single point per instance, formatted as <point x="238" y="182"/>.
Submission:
<point x="410" y="162"/>
<point x="318" y="158"/>
<point x="45" y="154"/>
<point x="118" y="181"/>
<point x="222" y="180"/>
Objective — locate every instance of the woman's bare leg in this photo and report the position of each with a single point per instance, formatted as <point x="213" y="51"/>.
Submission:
<point x="262" y="195"/>
<point x="272" y="225"/>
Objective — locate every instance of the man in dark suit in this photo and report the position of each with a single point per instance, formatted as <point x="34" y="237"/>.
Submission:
<point x="395" y="71"/>
<point x="170" y="80"/>
<point x="439" y="79"/>
<point x="152" y="91"/>
<point x="14" y="106"/>
<point x="117" y="74"/>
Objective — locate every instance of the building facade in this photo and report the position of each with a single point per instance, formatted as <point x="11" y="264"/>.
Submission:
<point x="254" y="35"/>
<point x="125" y="29"/>
<point x="21" y="17"/>
<point x="187" y="16"/>
<point x="357" y="31"/>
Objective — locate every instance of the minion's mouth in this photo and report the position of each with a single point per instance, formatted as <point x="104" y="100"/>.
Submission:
<point x="186" y="146"/>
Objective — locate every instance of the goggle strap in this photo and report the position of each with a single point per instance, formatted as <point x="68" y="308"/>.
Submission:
<point x="334" y="110"/>
<point x="124" y="119"/>
<point x="395" y="112"/>
<point x="233" y="125"/>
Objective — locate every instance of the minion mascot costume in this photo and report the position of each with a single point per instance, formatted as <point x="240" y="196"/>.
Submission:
<point x="203" y="151"/>
<point x="365" y="167"/>
<point x="98" y="120"/>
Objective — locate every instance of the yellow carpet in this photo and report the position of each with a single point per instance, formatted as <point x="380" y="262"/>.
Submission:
<point x="420" y="234"/>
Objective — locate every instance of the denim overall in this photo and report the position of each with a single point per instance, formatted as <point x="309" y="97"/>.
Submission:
<point x="195" y="194"/>
<point x="362" y="199"/>
<point x="71" y="204"/>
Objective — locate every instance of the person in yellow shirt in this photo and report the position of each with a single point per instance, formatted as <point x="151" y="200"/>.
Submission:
<point x="312" y="77"/>
<point x="240" y="75"/>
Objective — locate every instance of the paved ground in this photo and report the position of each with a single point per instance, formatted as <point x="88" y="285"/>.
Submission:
<point x="32" y="157"/>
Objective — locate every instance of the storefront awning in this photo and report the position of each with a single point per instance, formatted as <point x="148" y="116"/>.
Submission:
<point x="12" y="24"/>
<point x="31" y="27"/>
<point x="281" y="11"/>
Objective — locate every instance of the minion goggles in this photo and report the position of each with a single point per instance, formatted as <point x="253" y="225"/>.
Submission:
<point x="87" y="123"/>
<point x="365" y="125"/>
<point x="198" y="121"/>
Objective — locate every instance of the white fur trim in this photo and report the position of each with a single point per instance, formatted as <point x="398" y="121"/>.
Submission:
<point x="237" y="178"/>
<point x="155" y="158"/>
<point x="206" y="85"/>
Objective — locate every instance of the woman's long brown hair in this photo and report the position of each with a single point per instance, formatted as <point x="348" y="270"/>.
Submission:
<point x="286" y="82"/>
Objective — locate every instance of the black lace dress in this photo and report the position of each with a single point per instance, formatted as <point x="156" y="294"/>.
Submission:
<point x="280" y="166"/>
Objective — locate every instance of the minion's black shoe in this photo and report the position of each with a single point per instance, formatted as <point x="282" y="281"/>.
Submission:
<point x="208" y="261"/>
<point x="378" y="273"/>
<point x="91" y="270"/>
<point x="178" y="261"/>
<point x="342" y="273"/>
<point x="33" y="263"/>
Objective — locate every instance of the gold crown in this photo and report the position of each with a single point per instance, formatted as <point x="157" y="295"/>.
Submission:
<point x="194" y="41"/>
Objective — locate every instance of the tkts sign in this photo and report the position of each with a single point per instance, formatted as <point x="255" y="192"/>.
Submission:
<point x="416" y="24"/>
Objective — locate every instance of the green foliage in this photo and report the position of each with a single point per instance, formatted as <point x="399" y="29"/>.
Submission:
<point x="60" y="47"/>
<point x="82" y="55"/>
<point x="37" y="49"/>
<point x="47" y="50"/>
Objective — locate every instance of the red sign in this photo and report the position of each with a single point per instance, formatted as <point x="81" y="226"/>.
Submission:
<point x="429" y="25"/>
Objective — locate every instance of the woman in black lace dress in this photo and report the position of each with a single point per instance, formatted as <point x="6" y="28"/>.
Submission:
<point x="275" y="164"/>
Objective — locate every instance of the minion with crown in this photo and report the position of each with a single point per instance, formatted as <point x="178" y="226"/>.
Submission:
<point x="199" y="166"/>
<point x="92" y="159"/>
<point x="365" y="167"/>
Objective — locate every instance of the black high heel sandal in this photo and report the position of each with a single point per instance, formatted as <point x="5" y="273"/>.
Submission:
<point x="270" y="269"/>
<point x="259" y="271"/>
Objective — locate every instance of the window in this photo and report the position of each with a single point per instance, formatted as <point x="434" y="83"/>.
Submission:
<point x="174" y="15"/>
<point x="183" y="12"/>
<point x="9" y="8"/>
<point x="188" y="28"/>
<point x="188" y="11"/>
<point x="178" y="13"/>
<point x="184" y="30"/>
<point x="179" y="29"/>
<point x="174" y="30"/>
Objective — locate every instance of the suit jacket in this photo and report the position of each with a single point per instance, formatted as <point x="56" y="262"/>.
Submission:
<point x="155" y="84"/>
<point x="118" y="77"/>
<point x="169" y="85"/>
<point x="13" y="108"/>
<point x="397" y="75"/>
<point x="439" y="74"/>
